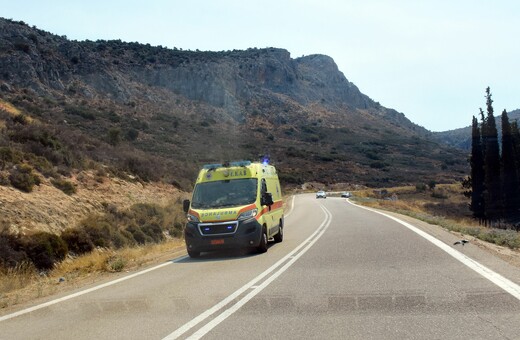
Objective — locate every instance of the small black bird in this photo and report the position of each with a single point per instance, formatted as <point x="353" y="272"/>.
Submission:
<point x="463" y="242"/>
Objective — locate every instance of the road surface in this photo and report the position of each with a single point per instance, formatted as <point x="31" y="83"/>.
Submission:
<point x="342" y="272"/>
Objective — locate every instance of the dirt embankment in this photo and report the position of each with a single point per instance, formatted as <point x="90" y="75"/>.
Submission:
<point x="49" y="209"/>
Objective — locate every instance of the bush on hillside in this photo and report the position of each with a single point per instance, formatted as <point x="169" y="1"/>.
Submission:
<point x="45" y="249"/>
<point x="139" y="236"/>
<point x="11" y="250"/>
<point x="78" y="241"/>
<point x="64" y="185"/>
<point x="23" y="178"/>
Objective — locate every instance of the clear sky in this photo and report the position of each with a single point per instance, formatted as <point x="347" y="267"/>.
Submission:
<point x="431" y="60"/>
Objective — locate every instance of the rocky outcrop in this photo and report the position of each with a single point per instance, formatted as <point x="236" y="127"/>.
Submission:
<point x="186" y="107"/>
<point x="45" y="62"/>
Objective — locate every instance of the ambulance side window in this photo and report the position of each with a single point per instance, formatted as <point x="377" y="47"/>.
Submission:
<point x="263" y="190"/>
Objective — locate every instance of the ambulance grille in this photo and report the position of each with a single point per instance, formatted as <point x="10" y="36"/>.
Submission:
<point x="221" y="228"/>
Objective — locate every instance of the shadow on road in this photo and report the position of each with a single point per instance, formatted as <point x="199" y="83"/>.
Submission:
<point x="222" y="255"/>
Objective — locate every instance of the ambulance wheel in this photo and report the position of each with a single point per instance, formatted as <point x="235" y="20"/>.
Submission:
<point x="262" y="247"/>
<point x="194" y="254"/>
<point x="279" y="237"/>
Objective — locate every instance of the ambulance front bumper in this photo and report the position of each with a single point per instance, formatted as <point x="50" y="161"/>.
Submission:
<point x="222" y="235"/>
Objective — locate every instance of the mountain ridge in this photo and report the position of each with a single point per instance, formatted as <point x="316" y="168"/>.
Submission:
<point x="145" y="105"/>
<point x="461" y="137"/>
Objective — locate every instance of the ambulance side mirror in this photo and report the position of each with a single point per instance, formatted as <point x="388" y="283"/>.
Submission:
<point x="186" y="205"/>
<point x="267" y="199"/>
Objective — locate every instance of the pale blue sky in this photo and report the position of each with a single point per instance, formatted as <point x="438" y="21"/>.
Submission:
<point x="431" y="60"/>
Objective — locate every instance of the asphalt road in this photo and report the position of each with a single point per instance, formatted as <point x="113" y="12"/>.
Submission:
<point x="342" y="272"/>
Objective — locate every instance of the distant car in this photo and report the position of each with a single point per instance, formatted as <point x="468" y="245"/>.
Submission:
<point x="346" y="194"/>
<point x="321" y="194"/>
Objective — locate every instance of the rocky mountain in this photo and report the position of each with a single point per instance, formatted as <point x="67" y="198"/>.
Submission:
<point x="160" y="113"/>
<point x="461" y="138"/>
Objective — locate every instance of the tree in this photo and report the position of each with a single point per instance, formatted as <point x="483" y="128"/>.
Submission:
<point x="515" y="135"/>
<point x="477" y="177"/>
<point x="492" y="192"/>
<point x="510" y="183"/>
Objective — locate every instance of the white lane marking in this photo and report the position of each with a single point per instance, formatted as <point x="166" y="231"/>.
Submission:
<point x="83" y="292"/>
<point x="195" y="321"/>
<point x="228" y="312"/>
<point x="506" y="284"/>
<point x="71" y="296"/>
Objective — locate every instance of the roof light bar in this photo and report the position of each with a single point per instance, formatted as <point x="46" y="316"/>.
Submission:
<point x="230" y="164"/>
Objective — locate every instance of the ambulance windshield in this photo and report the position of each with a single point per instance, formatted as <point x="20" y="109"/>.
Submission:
<point x="228" y="193"/>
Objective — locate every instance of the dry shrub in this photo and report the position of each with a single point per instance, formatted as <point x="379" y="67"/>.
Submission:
<point x="14" y="279"/>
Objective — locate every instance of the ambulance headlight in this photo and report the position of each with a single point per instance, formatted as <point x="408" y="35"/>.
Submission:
<point x="192" y="218"/>
<point x="247" y="214"/>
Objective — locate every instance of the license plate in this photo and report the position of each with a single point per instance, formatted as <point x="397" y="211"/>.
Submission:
<point x="219" y="241"/>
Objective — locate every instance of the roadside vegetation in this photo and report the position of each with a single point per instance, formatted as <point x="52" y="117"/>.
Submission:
<point x="31" y="265"/>
<point x="444" y="205"/>
<point x="24" y="283"/>
<point x="493" y="185"/>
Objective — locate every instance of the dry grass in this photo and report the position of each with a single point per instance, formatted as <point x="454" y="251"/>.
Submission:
<point x="9" y="108"/>
<point x="445" y="206"/>
<point x="23" y="283"/>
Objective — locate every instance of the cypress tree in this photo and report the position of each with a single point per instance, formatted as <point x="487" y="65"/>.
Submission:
<point x="477" y="173"/>
<point x="515" y="136"/>
<point x="492" y="193"/>
<point x="509" y="175"/>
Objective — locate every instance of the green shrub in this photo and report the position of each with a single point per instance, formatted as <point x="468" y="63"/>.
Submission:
<point x="132" y="134"/>
<point x="23" y="178"/>
<point x="139" y="236"/>
<point x="176" y="229"/>
<point x="114" y="136"/>
<point x="83" y="112"/>
<point x="421" y="187"/>
<point x="42" y="165"/>
<point x="78" y="241"/>
<point x="9" y="156"/>
<point x="21" y="119"/>
<point x="439" y="194"/>
<point x="378" y="165"/>
<point x="115" y="263"/>
<point x="45" y="249"/>
<point x="154" y="231"/>
<point x="12" y="252"/>
<point x="64" y="185"/>
<point x="122" y="238"/>
<point x="4" y="179"/>
<point x="99" y="232"/>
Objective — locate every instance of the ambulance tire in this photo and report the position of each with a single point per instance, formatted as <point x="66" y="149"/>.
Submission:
<point x="262" y="247"/>
<point x="194" y="254"/>
<point x="279" y="237"/>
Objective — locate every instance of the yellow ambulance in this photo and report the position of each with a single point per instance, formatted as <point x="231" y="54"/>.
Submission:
<point x="234" y="205"/>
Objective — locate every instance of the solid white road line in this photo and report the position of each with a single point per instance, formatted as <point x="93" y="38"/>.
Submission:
<point x="506" y="284"/>
<point x="83" y="292"/>
<point x="221" y="317"/>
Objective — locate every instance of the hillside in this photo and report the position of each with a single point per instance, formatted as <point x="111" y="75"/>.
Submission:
<point x="49" y="209"/>
<point x="160" y="113"/>
<point x="461" y="138"/>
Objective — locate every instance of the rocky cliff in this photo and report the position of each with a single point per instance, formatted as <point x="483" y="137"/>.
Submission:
<point x="187" y="107"/>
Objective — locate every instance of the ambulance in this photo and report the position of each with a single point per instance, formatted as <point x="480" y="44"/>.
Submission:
<point x="234" y="205"/>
